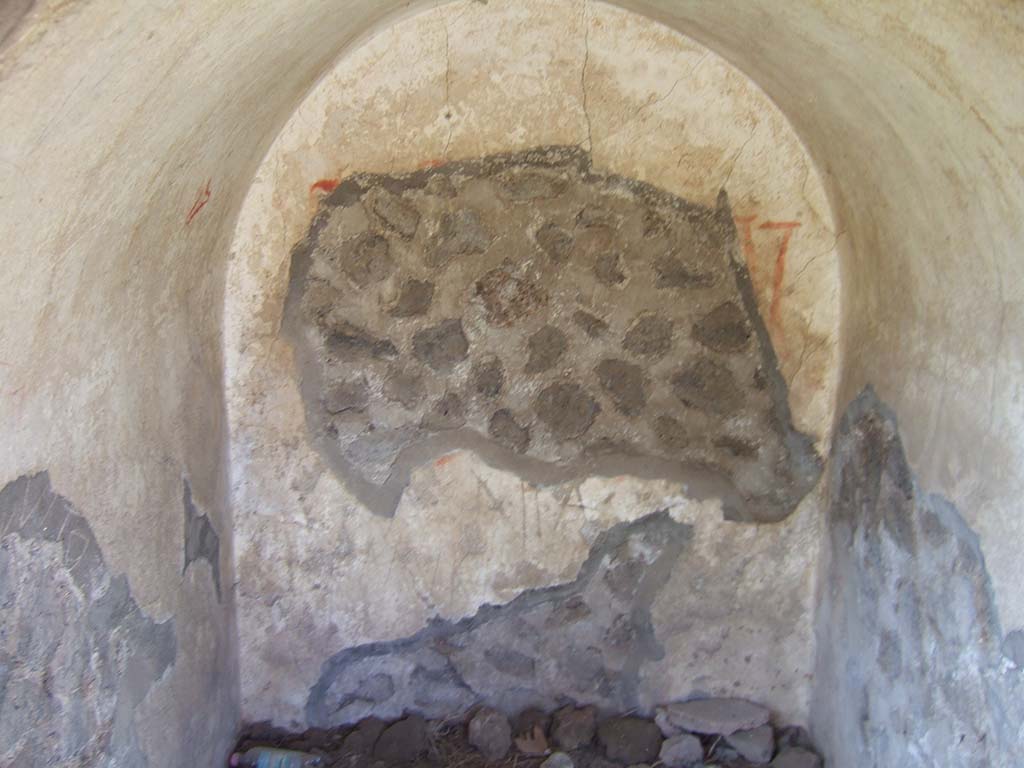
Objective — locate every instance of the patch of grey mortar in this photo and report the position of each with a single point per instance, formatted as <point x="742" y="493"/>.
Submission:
<point x="77" y="654"/>
<point x="699" y="480"/>
<point x="804" y="462"/>
<point x="440" y="657"/>
<point x="910" y="666"/>
<point x="201" y="539"/>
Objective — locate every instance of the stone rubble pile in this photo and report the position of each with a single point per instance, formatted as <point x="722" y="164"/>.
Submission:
<point x="700" y="733"/>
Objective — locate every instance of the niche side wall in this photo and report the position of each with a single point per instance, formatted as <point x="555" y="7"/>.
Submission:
<point x="912" y="668"/>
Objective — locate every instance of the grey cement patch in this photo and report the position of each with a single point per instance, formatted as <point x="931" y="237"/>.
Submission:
<point x="561" y="322"/>
<point x="584" y="641"/>
<point x="77" y="654"/>
<point x="910" y="669"/>
<point x="201" y="539"/>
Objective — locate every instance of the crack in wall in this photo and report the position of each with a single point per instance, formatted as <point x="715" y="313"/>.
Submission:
<point x="583" y="75"/>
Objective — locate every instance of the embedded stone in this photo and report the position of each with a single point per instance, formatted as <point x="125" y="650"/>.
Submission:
<point x="650" y="335"/>
<point x="592" y="325"/>
<point x="460" y="234"/>
<point x="508" y="298"/>
<point x="488" y="377"/>
<point x="403" y="741"/>
<point x="491" y="733"/>
<point x="395" y="213"/>
<point x="630" y="740"/>
<point x="681" y="751"/>
<point x="572" y="728"/>
<point x="404" y="387"/>
<point x="441" y="346"/>
<point x="596" y="216"/>
<point x="376" y="688"/>
<point x="741" y="449"/>
<point x="723" y="329"/>
<point x="414" y="299"/>
<point x="504" y="428"/>
<point x="566" y="409"/>
<point x="755" y="745"/>
<point x="796" y="757"/>
<point x="447" y="413"/>
<point x="674" y="273"/>
<point x="654" y="224"/>
<point x="707" y="385"/>
<point x="344" y="338"/>
<point x="367" y="259"/>
<point x="716" y="716"/>
<point x="440" y="185"/>
<point x="567" y="612"/>
<point x="555" y="241"/>
<point x="530" y="721"/>
<point x="671" y="434"/>
<point x="532" y="184"/>
<point x="346" y="395"/>
<point x="625" y="384"/>
<point x="546" y="348"/>
<point x="510" y="662"/>
<point x="608" y="269"/>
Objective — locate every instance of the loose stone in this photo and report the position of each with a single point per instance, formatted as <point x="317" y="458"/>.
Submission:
<point x="402" y="742"/>
<point x="716" y="716"/>
<point x="573" y="728"/>
<point x="755" y="745"/>
<point x="630" y="739"/>
<point x="491" y="733"/>
<point x="681" y="751"/>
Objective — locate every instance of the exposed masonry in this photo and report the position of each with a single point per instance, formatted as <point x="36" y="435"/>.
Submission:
<point x="77" y="654"/>
<point x="201" y="539"/>
<point x="559" y="322"/>
<point x="584" y="641"/>
<point x="910" y="669"/>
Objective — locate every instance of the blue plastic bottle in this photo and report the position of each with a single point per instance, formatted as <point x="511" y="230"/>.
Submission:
<point x="268" y="757"/>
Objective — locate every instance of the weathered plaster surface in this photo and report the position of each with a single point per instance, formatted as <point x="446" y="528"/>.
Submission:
<point x="910" y="670"/>
<point x="109" y="370"/>
<point x="460" y="82"/>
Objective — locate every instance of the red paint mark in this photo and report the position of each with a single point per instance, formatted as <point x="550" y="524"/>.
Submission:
<point x="787" y="228"/>
<point x="446" y="459"/>
<point x="324" y="185"/>
<point x="746" y="225"/>
<point x="780" y="225"/>
<point x="202" y="198"/>
<point x="436" y="162"/>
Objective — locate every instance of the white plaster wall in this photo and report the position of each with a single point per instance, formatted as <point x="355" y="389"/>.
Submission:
<point x="114" y="115"/>
<point x="316" y="571"/>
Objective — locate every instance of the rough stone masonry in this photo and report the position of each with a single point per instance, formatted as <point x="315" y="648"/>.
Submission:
<point x="557" y="321"/>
